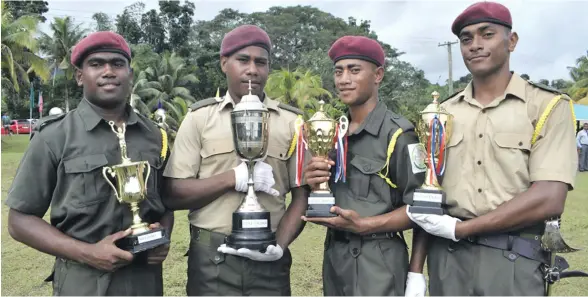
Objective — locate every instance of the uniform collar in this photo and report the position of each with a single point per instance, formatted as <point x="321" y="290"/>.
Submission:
<point x="91" y="118"/>
<point x="516" y="88"/>
<point x="267" y="101"/>
<point x="374" y="120"/>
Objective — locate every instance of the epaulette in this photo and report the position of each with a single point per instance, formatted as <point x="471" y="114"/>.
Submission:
<point x="545" y="87"/>
<point x="402" y="122"/>
<point x="451" y="96"/>
<point x="44" y="122"/>
<point x="290" y="108"/>
<point x="203" y="103"/>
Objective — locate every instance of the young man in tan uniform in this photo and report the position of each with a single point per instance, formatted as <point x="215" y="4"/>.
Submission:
<point x="502" y="183"/>
<point x="206" y="176"/>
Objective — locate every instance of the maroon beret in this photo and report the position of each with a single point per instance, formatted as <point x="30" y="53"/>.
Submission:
<point x="102" y="41"/>
<point x="244" y="36"/>
<point x="481" y="12"/>
<point x="357" y="47"/>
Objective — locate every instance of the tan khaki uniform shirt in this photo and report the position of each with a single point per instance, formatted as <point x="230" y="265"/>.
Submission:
<point x="490" y="158"/>
<point x="204" y="148"/>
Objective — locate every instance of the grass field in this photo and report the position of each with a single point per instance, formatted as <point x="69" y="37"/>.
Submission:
<point x="24" y="269"/>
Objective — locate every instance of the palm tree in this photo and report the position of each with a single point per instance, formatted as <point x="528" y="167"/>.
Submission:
<point x="295" y="88"/>
<point x="579" y="75"/>
<point x="165" y="83"/>
<point x="59" y="47"/>
<point x="18" y="50"/>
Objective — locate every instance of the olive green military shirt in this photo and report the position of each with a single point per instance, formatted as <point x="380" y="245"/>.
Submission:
<point x="204" y="148"/>
<point x="364" y="190"/>
<point x="62" y="169"/>
<point x="490" y="158"/>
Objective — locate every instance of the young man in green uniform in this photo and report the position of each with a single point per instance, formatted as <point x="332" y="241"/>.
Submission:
<point x="365" y="253"/>
<point x="62" y="168"/>
<point x="206" y="176"/>
<point x="508" y="169"/>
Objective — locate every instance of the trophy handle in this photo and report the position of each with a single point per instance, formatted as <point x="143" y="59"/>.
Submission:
<point x="148" y="173"/>
<point x="105" y="171"/>
<point x="343" y="125"/>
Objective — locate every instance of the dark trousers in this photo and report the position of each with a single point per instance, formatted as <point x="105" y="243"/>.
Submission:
<point x="464" y="268"/>
<point x="360" y="266"/>
<point x="584" y="158"/>
<point x="74" y="279"/>
<point x="214" y="273"/>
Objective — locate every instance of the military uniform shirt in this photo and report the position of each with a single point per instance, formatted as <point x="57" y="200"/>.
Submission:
<point x="204" y="148"/>
<point x="366" y="192"/>
<point x="62" y="168"/>
<point x="490" y="158"/>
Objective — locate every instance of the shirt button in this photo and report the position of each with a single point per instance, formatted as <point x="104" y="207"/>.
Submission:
<point x="479" y="190"/>
<point x="216" y="258"/>
<point x="355" y="250"/>
<point x="479" y="162"/>
<point x="367" y="167"/>
<point x="483" y="111"/>
<point x="480" y="135"/>
<point x="520" y="143"/>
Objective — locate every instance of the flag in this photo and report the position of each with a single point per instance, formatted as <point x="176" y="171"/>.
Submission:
<point x="40" y="102"/>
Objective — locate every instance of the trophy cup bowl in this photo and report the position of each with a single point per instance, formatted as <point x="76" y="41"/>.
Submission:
<point x="434" y="131"/>
<point x="130" y="189"/>
<point x="251" y="221"/>
<point x="319" y="133"/>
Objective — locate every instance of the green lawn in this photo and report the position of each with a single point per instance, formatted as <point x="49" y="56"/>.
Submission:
<point x="23" y="269"/>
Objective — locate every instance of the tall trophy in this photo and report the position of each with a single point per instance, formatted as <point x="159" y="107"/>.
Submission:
<point x="131" y="178"/>
<point x="322" y="134"/>
<point x="434" y="131"/>
<point x="251" y="221"/>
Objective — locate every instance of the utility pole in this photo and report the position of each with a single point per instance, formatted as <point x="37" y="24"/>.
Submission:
<point x="450" y="79"/>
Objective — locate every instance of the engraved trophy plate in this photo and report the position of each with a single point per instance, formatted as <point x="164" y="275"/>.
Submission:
<point x="434" y="131"/>
<point x="320" y="133"/>
<point x="251" y="221"/>
<point x="130" y="188"/>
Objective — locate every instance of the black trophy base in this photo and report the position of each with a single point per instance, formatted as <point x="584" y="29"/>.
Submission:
<point x="136" y="243"/>
<point x="319" y="205"/>
<point x="428" y="202"/>
<point x="251" y="230"/>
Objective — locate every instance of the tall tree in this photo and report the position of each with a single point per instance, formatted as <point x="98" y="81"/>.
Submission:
<point x="579" y="74"/>
<point x="103" y="22"/>
<point x="27" y="7"/>
<point x="177" y="20"/>
<point x="295" y="88"/>
<point x="59" y="46"/>
<point x="128" y="23"/>
<point x="153" y="31"/>
<point x="18" y="50"/>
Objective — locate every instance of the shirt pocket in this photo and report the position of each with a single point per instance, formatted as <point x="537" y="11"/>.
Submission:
<point x="277" y="158"/>
<point x="84" y="176"/>
<point x="454" y="162"/>
<point x="511" y="153"/>
<point x="217" y="154"/>
<point x="363" y="178"/>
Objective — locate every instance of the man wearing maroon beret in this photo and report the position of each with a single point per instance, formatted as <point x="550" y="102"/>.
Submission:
<point x="65" y="159"/>
<point x="207" y="177"/>
<point x="365" y="252"/>
<point x="507" y="171"/>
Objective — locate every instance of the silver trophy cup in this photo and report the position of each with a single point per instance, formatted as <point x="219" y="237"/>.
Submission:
<point x="251" y="221"/>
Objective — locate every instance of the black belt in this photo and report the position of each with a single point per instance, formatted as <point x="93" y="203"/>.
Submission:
<point x="527" y="245"/>
<point x="348" y="236"/>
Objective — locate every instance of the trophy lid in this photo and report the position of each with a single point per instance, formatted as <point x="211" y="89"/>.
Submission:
<point x="434" y="107"/>
<point x="249" y="102"/>
<point x="320" y="114"/>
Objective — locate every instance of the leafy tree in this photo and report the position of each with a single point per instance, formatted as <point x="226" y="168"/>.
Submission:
<point x="579" y="74"/>
<point x="153" y="31"/>
<point x="295" y="88"/>
<point x="103" y="22"/>
<point x="28" y="7"/>
<point x="128" y="23"/>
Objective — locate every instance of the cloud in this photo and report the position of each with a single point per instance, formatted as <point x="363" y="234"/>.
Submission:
<point x="552" y="33"/>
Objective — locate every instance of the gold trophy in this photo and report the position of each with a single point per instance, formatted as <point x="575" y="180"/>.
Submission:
<point x="434" y="131"/>
<point x="320" y="133"/>
<point x="130" y="188"/>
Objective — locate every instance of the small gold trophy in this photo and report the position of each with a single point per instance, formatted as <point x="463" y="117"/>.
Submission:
<point x="434" y="131"/>
<point x="130" y="188"/>
<point x="321" y="133"/>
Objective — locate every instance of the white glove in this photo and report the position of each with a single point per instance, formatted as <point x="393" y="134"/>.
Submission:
<point x="263" y="178"/>
<point x="416" y="285"/>
<point x="272" y="253"/>
<point x="442" y="226"/>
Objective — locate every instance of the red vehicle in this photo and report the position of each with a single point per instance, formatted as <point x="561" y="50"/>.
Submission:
<point x="20" y="127"/>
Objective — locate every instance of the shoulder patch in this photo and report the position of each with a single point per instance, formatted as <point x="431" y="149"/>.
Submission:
<point x="202" y="103"/>
<point x="545" y="87"/>
<point x="451" y="96"/>
<point x="44" y="122"/>
<point x="402" y="122"/>
<point x="290" y="108"/>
